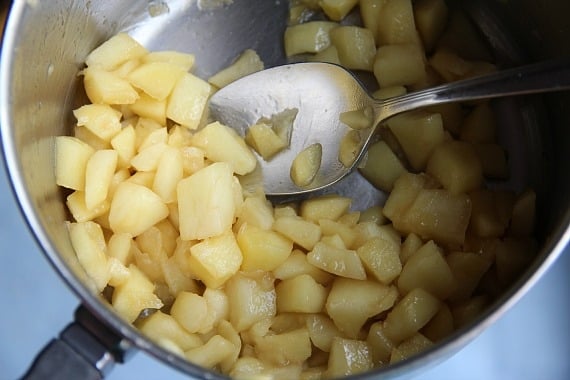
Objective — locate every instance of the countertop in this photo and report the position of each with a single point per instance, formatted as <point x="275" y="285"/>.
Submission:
<point x="531" y="341"/>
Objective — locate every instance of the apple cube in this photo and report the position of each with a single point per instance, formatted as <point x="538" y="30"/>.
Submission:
<point x="215" y="259"/>
<point x="102" y="120"/>
<point x="262" y="249"/>
<point x="156" y="79"/>
<point x="135" y="208"/>
<point x="115" y="51"/>
<point x="206" y="203"/>
<point x="222" y="144"/>
<point x="72" y="156"/>
<point x="301" y="294"/>
<point x="188" y="100"/>
<point x="89" y="244"/>
<point x="103" y="87"/>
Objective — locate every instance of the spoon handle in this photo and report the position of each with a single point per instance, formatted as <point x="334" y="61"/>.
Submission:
<point x="546" y="76"/>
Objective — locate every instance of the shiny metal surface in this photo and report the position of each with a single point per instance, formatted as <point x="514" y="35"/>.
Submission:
<point x="46" y="43"/>
<point x="322" y="91"/>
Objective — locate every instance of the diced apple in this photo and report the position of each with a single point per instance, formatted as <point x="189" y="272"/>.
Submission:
<point x="418" y="133"/>
<point x="322" y="331"/>
<point x="125" y="145"/>
<point x="222" y="144"/>
<point x="101" y="120"/>
<point x="156" y="79"/>
<point x="169" y="172"/>
<point x="285" y="348"/>
<point x="187" y="102"/>
<point x="399" y="65"/>
<point x="135" y="208"/>
<point x="116" y="50"/>
<point x="297" y="264"/>
<point x="325" y="207"/>
<point x="348" y="357"/>
<point x="103" y="87"/>
<point x="184" y="60"/>
<point x="428" y="270"/>
<point x="215" y="259"/>
<point x="306" y="165"/>
<point x="309" y="37"/>
<point x="382" y="167"/>
<point x="337" y="9"/>
<point x="410" y="314"/>
<point x="264" y="140"/>
<point x="247" y="63"/>
<point x="135" y="295"/>
<point x="160" y="325"/>
<point x="213" y="352"/>
<point x="348" y="312"/>
<point x="431" y="20"/>
<point x="301" y="294"/>
<point x="380" y="345"/>
<point x="355" y="47"/>
<point x="89" y="245"/>
<point x="98" y="175"/>
<point x="410" y="347"/>
<point x="206" y="202"/>
<point x="339" y="261"/>
<point x="302" y="232"/>
<point x="262" y="249"/>
<point x="252" y="299"/>
<point x="150" y="108"/>
<point x="72" y="156"/>
<point x="456" y="165"/>
<point x="396" y="23"/>
<point x="381" y="258"/>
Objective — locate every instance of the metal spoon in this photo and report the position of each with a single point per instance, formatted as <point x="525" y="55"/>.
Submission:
<point x="322" y="91"/>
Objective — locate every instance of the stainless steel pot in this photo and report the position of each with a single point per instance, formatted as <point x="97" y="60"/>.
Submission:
<point x="44" y="47"/>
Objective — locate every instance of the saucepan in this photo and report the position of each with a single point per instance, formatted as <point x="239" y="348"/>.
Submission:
<point x="44" y="48"/>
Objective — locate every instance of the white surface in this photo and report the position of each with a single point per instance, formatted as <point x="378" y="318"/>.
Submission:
<point x="532" y="341"/>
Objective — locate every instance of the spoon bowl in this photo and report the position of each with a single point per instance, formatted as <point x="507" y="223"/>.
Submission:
<point x="321" y="92"/>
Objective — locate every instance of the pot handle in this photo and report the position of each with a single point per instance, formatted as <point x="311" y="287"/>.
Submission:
<point x="85" y="349"/>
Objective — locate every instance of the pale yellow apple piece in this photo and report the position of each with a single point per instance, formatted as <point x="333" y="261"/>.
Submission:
<point x="206" y="203"/>
<point x="350" y="146"/>
<point x="89" y="244"/>
<point x="247" y="63"/>
<point x="135" y="295"/>
<point x="256" y="211"/>
<point x="297" y="264"/>
<point x="72" y="156"/>
<point x="309" y="37"/>
<point x="125" y="145"/>
<point x="380" y="345"/>
<point x="410" y="347"/>
<point x="399" y="65"/>
<point x="285" y="348"/>
<point x="350" y="312"/>
<point x="325" y="207"/>
<point x="252" y="299"/>
<point x="183" y="60"/>
<point x="76" y="204"/>
<point x="431" y="19"/>
<point x="306" y="165"/>
<point x="262" y="249"/>
<point x="381" y="257"/>
<point x="264" y="140"/>
<point x="302" y="232"/>
<point x="396" y="23"/>
<point x="214" y="351"/>
<point x="188" y="100"/>
<point x="358" y="119"/>
<point x="222" y="144"/>
<point x="301" y="294"/>
<point x="382" y="167"/>
<point x="215" y="259"/>
<point x="370" y="14"/>
<point x="349" y="357"/>
<point x="189" y="310"/>
<point x="410" y="314"/>
<point x="102" y="120"/>
<point x="427" y="269"/>
<point x="337" y="9"/>
<point x="156" y="79"/>
<point x="355" y="46"/>
<point x="103" y="87"/>
<point x="169" y="172"/>
<point x="161" y="325"/>
<point x="98" y="175"/>
<point x="338" y="261"/>
<point x="115" y="51"/>
<point x="135" y="208"/>
<point x="150" y="108"/>
<point x="322" y="331"/>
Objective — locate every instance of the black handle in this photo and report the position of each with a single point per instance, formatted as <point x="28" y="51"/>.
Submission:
<point x="86" y="349"/>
